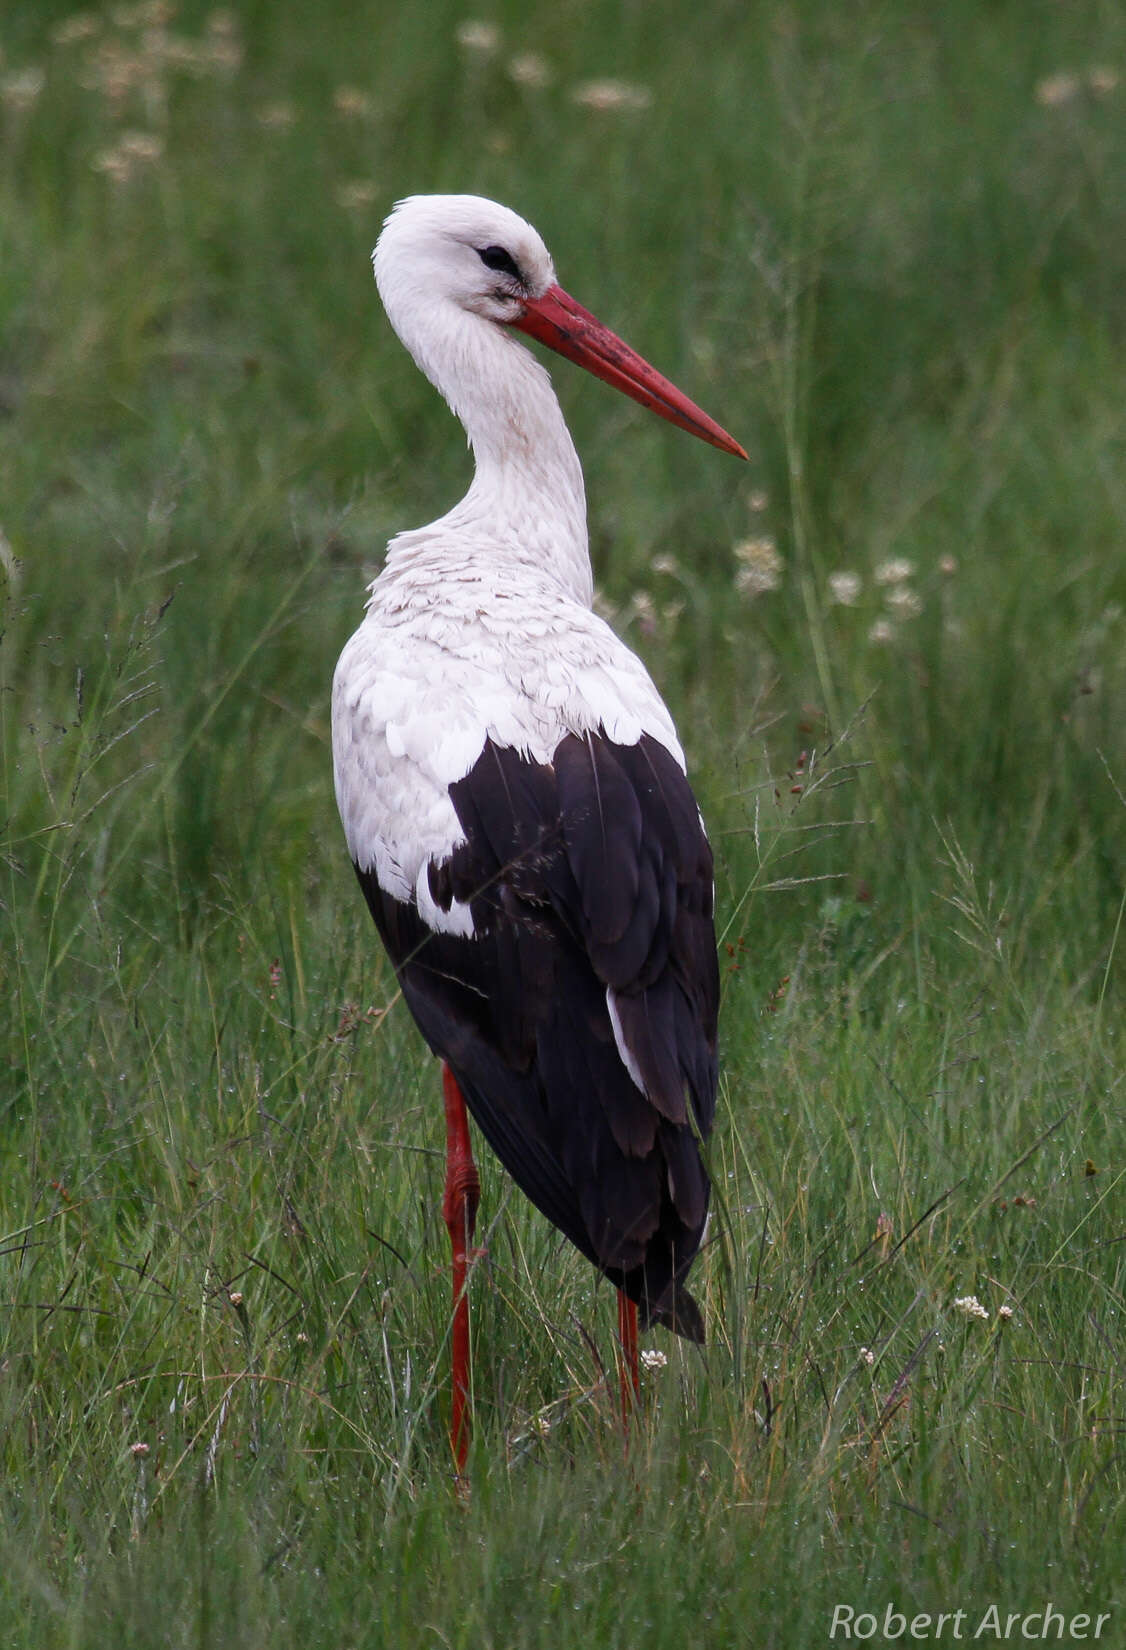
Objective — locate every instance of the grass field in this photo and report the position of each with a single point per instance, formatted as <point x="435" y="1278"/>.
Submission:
<point x="886" y="247"/>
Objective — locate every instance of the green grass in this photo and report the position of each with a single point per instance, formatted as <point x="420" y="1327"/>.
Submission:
<point x="886" y="249"/>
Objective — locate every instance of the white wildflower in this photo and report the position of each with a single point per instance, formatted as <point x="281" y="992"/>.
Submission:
<point x="947" y="566"/>
<point x="844" y="587"/>
<point x="71" y="30"/>
<point x="352" y="102"/>
<point x="652" y="1359"/>
<point x="133" y="150"/>
<point x="223" y="52"/>
<point x="970" y="1306"/>
<point x="1005" y="1313"/>
<point x="643" y="608"/>
<point x="114" y="164"/>
<point x="760" y="567"/>
<point x="20" y="90"/>
<point x="666" y="564"/>
<point x="1057" y="89"/>
<point x="894" y="571"/>
<point x="611" y="96"/>
<point x="882" y="632"/>
<point x="530" y="69"/>
<point x="1102" y="80"/>
<point x="904" y="602"/>
<point x="142" y="147"/>
<point x="867" y="1356"/>
<point x="477" y="36"/>
<point x="138" y="1450"/>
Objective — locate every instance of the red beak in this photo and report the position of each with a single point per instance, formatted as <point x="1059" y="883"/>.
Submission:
<point x="569" y="329"/>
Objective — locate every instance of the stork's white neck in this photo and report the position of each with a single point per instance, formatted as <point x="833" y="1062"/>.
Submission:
<point x="526" y="503"/>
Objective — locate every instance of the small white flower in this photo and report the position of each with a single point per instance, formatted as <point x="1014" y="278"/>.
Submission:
<point x="611" y="96"/>
<point x="139" y="1450"/>
<point x="947" y="566"/>
<point x="894" y="570"/>
<point x="1005" y="1313"/>
<point x="134" y="150"/>
<point x="652" y="1359"/>
<point x="1102" y="80"/>
<point x="71" y="30"/>
<point x="666" y="564"/>
<point x="867" y="1356"/>
<point x="143" y="147"/>
<point x="20" y="90"/>
<point x="1057" y="89"/>
<point x="530" y="69"/>
<point x="223" y="52"/>
<point x="970" y="1306"/>
<point x="477" y="36"/>
<point x="352" y="102"/>
<point x="845" y="588"/>
<point x="881" y="632"/>
<point x="904" y="602"/>
<point x="760" y="567"/>
<point x="643" y="608"/>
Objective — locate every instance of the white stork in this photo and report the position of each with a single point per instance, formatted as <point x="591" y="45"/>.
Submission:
<point x="514" y="797"/>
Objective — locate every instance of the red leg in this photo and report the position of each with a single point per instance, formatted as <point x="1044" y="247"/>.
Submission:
<point x="459" y="1210"/>
<point x="628" y="1377"/>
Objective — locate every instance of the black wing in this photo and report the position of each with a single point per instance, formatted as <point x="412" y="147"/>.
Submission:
<point x="590" y="884"/>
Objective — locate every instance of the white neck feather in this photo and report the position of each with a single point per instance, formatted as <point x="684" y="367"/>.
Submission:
<point x="527" y="500"/>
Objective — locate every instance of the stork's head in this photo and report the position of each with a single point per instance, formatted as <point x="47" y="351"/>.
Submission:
<point x="438" y="251"/>
<point x="463" y="250"/>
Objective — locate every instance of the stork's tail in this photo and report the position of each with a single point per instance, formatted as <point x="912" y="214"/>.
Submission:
<point x="675" y="1310"/>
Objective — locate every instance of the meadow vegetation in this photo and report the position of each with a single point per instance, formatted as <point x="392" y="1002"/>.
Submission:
<point x="885" y="245"/>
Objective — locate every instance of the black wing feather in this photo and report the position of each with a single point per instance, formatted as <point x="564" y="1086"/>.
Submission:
<point x="588" y="873"/>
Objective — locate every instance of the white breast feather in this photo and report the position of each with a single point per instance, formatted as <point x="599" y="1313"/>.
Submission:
<point x="422" y="685"/>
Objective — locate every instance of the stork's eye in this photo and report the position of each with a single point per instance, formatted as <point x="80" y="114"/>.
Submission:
<point x="495" y="257"/>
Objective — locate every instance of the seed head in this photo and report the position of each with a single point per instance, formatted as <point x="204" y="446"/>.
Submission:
<point x="894" y="570"/>
<point x="844" y="587"/>
<point x="760" y="567"/>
